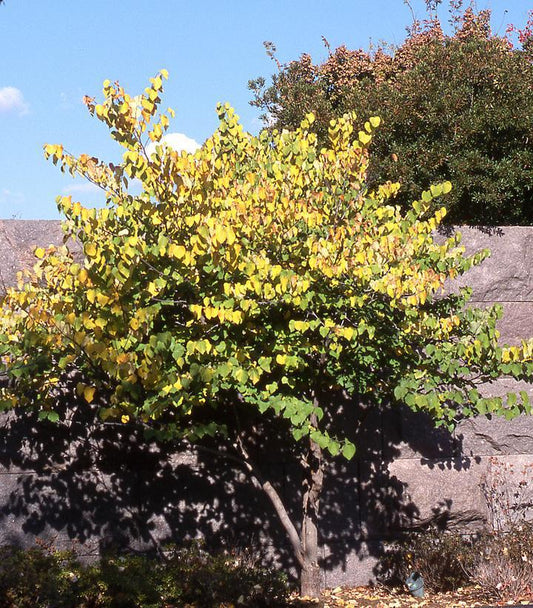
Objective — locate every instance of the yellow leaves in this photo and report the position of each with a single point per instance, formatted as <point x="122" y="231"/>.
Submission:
<point x="212" y="313"/>
<point x="199" y="346"/>
<point x="96" y="349"/>
<point x="266" y="290"/>
<point x="116" y="308"/>
<point x="152" y="288"/>
<point x="211" y="233"/>
<point x="192" y="220"/>
<point x="246" y="255"/>
<point x="526" y="348"/>
<point x="148" y="105"/>
<point x="196" y="310"/>
<point x="83" y="276"/>
<point x="176" y="251"/>
<point x="157" y="82"/>
<point x="235" y="316"/>
<point x="348" y="333"/>
<point x="220" y="235"/>
<point x="53" y="150"/>
<point x="230" y="236"/>
<point x="514" y="353"/>
<point x="87" y="321"/>
<point x="156" y="133"/>
<point x="439" y="189"/>
<point x="446" y="187"/>
<point x="70" y="318"/>
<point x="364" y="138"/>
<point x="39" y="252"/>
<point x="275" y="271"/>
<point x="122" y="358"/>
<point x="439" y="214"/>
<point x="90" y="250"/>
<point x="88" y="393"/>
<point x="301" y="326"/>
<point x="284" y="282"/>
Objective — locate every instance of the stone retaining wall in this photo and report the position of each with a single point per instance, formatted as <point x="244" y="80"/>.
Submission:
<point x="94" y="487"/>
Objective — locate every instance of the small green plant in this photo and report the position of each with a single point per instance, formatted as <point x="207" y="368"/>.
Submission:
<point x="43" y="578"/>
<point x="37" y="577"/>
<point x="121" y="582"/>
<point x="193" y="576"/>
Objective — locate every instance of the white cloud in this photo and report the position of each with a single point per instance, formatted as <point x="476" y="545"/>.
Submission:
<point x="12" y="100"/>
<point x="81" y="188"/>
<point x="176" y="141"/>
<point x="88" y="194"/>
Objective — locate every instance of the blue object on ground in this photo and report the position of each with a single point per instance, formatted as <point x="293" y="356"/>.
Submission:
<point x="415" y="584"/>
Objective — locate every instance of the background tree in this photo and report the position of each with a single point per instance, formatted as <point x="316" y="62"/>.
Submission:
<point x="243" y="290"/>
<point x="455" y="107"/>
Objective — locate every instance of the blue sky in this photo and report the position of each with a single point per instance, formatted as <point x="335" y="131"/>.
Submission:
<point x="53" y="52"/>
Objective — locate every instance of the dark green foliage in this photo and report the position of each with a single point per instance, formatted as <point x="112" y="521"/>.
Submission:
<point x="37" y="577"/>
<point x="41" y="578"/>
<point x="206" y="581"/>
<point x="121" y="582"/>
<point x="455" y="107"/>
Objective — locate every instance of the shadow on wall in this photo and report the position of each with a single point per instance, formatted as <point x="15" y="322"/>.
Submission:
<point x="94" y="487"/>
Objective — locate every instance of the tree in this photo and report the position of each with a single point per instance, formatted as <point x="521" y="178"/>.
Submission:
<point x="250" y="281"/>
<point x="455" y="107"/>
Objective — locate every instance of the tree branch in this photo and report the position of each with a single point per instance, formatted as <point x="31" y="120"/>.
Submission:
<point x="274" y="497"/>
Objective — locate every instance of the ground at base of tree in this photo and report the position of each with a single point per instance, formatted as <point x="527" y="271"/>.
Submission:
<point x="382" y="597"/>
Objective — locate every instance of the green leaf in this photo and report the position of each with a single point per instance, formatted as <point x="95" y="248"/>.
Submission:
<point x="48" y="415"/>
<point x="400" y="392"/>
<point x="241" y="375"/>
<point x="446" y="187"/>
<point x="348" y="450"/>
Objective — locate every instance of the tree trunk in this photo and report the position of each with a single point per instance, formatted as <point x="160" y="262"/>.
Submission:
<point x="305" y="544"/>
<point x="310" y="579"/>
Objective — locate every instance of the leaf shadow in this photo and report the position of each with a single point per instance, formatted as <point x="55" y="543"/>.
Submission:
<point x="94" y="487"/>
